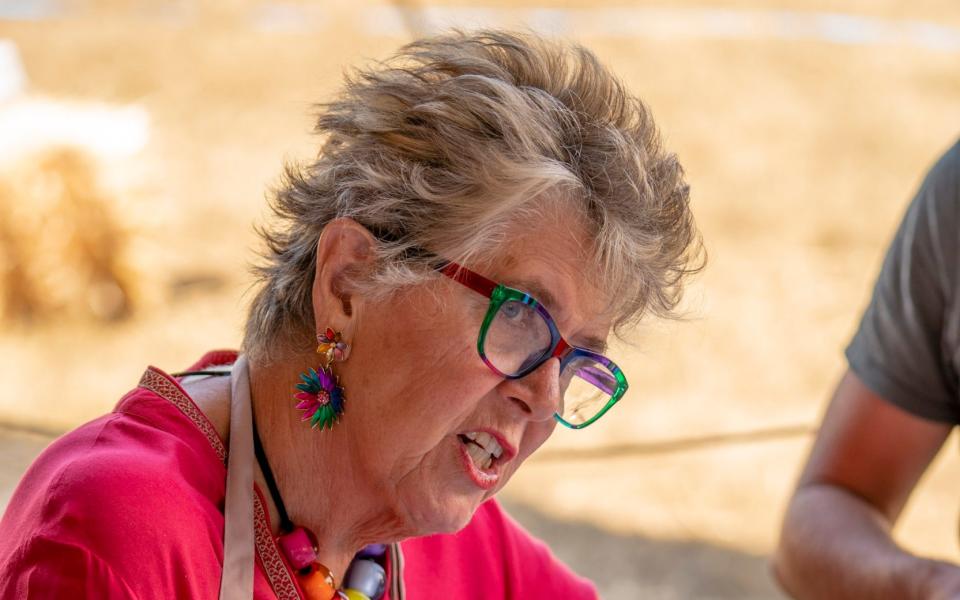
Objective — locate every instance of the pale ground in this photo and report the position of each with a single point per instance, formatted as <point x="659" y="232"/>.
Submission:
<point x="802" y="155"/>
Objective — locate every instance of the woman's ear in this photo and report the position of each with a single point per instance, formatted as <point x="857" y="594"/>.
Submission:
<point x="345" y="248"/>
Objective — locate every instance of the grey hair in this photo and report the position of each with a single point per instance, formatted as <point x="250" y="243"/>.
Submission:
<point x="454" y="140"/>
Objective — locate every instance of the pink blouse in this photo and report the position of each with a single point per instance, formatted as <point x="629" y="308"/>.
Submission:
<point x="131" y="506"/>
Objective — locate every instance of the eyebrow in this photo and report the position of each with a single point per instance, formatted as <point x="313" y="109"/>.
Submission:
<point x="542" y="295"/>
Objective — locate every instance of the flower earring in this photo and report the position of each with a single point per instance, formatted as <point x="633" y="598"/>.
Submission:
<point x="320" y="396"/>
<point x="331" y="347"/>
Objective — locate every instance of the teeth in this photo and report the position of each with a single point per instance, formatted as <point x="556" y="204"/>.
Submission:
<point x="484" y="439"/>
<point x="478" y="455"/>
<point x="488" y="442"/>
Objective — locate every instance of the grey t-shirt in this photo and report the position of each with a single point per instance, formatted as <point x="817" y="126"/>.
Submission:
<point x="907" y="348"/>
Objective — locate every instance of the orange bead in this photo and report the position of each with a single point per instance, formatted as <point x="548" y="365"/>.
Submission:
<point x="318" y="584"/>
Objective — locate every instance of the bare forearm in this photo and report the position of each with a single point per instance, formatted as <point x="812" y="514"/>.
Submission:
<point x="835" y="545"/>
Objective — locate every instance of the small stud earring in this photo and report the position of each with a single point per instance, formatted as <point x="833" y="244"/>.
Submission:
<point x="332" y="347"/>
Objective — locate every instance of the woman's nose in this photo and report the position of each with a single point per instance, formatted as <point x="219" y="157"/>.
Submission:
<point x="537" y="394"/>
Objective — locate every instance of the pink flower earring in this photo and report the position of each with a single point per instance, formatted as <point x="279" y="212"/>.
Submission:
<point x="320" y="396"/>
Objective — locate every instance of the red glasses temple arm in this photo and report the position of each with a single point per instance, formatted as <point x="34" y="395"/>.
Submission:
<point x="465" y="276"/>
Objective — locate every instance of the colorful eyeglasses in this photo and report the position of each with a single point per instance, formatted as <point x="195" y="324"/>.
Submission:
<point x="518" y="335"/>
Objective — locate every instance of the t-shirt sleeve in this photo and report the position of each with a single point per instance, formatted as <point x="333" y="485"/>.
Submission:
<point x="902" y="349"/>
<point x="47" y="569"/>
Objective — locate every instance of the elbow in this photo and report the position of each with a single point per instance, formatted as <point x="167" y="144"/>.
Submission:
<point x="796" y="565"/>
<point x="778" y="569"/>
<point x="786" y="566"/>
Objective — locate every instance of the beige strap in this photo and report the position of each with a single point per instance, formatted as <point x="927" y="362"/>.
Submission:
<point x="236" y="582"/>
<point x="397" y="591"/>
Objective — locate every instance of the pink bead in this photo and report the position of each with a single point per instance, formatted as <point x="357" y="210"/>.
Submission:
<point x="298" y="548"/>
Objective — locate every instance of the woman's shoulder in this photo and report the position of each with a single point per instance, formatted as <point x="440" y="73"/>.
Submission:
<point x="142" y="481"/>
<point x="100" y="510"/>
<point x="156" y="454"/>
<point x="114" y="471"/>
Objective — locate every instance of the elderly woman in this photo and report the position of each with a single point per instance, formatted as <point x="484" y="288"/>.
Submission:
<point x="438" y="288"/>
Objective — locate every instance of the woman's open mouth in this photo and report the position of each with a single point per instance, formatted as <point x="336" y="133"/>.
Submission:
<point x="482" y="455"/>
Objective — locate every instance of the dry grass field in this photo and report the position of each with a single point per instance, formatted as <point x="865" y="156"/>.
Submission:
<point x="803" y="140"/>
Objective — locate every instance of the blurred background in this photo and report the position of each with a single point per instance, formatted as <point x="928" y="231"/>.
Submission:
<point x="138" y="137"/>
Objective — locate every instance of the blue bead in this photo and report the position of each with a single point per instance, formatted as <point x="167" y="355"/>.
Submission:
<point x="367" y="577"/>
<point x="373" y="551"/>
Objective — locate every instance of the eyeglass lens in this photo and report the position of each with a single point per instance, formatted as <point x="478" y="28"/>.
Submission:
<point x="519" y="337"/>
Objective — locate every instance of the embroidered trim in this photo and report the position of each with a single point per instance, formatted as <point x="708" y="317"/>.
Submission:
<point x="277" y="574"/>
<point x="160" y="384"/>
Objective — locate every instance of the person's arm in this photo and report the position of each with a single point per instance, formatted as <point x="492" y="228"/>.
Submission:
<point x="836" y="541"/>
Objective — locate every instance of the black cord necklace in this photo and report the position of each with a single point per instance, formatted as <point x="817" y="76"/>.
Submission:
<point x="286" y="525"/>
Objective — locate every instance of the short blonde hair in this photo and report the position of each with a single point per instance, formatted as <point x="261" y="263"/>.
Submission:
<point x="454" y="140"/>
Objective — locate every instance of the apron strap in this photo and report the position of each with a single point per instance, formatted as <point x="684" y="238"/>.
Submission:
<point x="236" y="582"/>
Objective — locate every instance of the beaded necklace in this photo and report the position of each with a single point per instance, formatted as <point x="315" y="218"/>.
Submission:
<point x="365" y="578"/>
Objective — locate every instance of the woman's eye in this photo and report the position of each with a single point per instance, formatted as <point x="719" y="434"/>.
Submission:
<point x="513" y="310"/>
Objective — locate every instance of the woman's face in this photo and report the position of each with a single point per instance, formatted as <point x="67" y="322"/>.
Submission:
<point x="426" y="413"/>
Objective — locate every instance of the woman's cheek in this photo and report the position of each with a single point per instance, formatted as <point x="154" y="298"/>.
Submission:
<point x="537" y="434"/>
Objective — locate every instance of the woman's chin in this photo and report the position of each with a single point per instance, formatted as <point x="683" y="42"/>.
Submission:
<point x="449" y="525"/>
<point x="448" y="518"/>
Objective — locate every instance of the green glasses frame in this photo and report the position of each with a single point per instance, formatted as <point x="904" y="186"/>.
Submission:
<point x="559" y="348"/>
